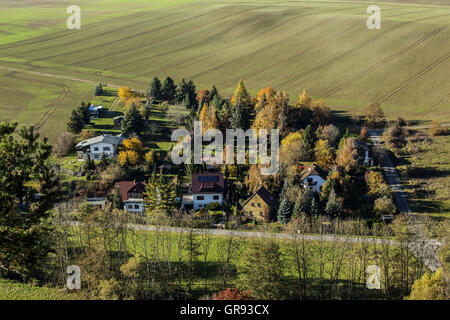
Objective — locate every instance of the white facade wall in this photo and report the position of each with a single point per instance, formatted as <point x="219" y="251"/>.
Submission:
<point x="317" y="180"/>
<point x="207" y="199"/>
<point x="97" y="150"/>
<point x="136" y="206"/>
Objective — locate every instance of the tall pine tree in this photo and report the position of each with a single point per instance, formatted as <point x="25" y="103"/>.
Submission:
<point x="133" y="121"/>
<point x="169" y="90"/>
<point x="155" y="89"/>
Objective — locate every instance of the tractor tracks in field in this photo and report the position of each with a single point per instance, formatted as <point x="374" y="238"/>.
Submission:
<point x="349" y="52"/>
<point x="340" y="57"/>
<point x="94" y="37"/>
<point x="415" y="77"/>
<point x="272" y="45"/>
<point x="53" y="108"/>
<point x="125" y="50"/>
<point x="299" y="53"/>
<point x="381" y="63"/>
<point x="66" y="91"/>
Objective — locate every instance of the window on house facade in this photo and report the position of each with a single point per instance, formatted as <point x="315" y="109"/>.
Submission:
<point x="216" y="197"/>
<point x="95" y="148"/>
<point x="259" y="205"/>
<point x="96" y="156"/>
<point x="253" y="204"/>
<point x="136" y="206"/>
<point x="200" y="198"/>
<point x="106" y="149"/>
<point x="261" y="213"/>
<point x="130" y="206"/>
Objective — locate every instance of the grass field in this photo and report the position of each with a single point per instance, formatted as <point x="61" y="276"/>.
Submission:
<point x="323" y="46"/>
<point x="426" y="177"/>
<point x="12" y="290"/>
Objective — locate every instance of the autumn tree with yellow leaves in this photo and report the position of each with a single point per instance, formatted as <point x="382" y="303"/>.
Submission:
<point x="304" y="100"/>
<point x="324" y="154"/>
<point x="131" y="155"/>
<point x="125" y="93"/>
<point x="346" y="157"/>
<point x="208" y="118"/>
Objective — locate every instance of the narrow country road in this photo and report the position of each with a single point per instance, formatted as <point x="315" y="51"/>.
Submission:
<point x="390" y="172"/>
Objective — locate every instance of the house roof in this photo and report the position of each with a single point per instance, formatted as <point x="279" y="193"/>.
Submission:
<point x="107" y="138"/>
<point x="127" y="186"/>
<point x="207" y="183"/>
<point x="94" y="108"/>
<point x="313" y="170"/>
<point x="266" y="196"/>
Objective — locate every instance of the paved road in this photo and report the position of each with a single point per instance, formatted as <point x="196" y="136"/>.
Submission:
<point x="427" y="252"/>
<point x="253" y="234"/>
<point x="390" y="173"/>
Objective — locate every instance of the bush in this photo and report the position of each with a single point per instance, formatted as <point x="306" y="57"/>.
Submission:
<point x="213" y="206"/>
<point x="437" y="130"/>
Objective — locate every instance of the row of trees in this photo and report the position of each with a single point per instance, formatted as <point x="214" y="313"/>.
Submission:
<point x="184" y="92"/>
<point x="119" y="262"/>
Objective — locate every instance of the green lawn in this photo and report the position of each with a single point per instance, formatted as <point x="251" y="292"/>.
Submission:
<point x="426" y="177"/>
<point x="12" y="290"/>
<point x="323" y="46"/>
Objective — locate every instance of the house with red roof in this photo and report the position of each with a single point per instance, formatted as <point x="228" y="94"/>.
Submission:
<point x="205" y="188"/>
<point x="132" y="194"/>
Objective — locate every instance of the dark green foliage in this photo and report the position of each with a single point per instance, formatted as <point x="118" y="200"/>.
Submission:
<point x="299" y="118"/>
<point x="133" y="121"/>
<point x="88" y="164"/>
<point x="76" y="123"/>
<point x="239" y="119"/>
<point x="115" y="198"/>
<point x="24" y="210"/>
<point x="213" y="94"/>
<point x="334" y="207"/>
<point x="79" y="118"/>
<point x="284" y="211"/>
<point x="98" y="89"/>
<point x="309" y="141"/>
<point x="262" y="270"/>
<point x="169" y="90"/>
<point x="155" y="89"/>
<point x="146" y="110"/>
<point x="303" y="203"/>
<point x="187" y="88"/>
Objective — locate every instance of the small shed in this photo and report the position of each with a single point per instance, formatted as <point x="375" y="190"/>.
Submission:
<point x="118" y="122"/>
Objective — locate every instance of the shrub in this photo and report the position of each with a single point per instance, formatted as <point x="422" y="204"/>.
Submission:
<point x="233" y="294"/>
<point x="213" y="206"/>
<point x="437" y="130"/>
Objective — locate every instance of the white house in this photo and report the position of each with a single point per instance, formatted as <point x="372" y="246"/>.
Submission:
<point x="313" y="177"/>
<point x="96" y="147"/>
<point x="206" y="188"/>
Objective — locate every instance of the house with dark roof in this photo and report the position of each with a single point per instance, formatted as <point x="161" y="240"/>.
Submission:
<point x="205" y="188"/>
<point x="99" y="146"/>
<point x="132" y="194"/>
<point x="313" y="177"/>
<point x="261" y="205"/>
